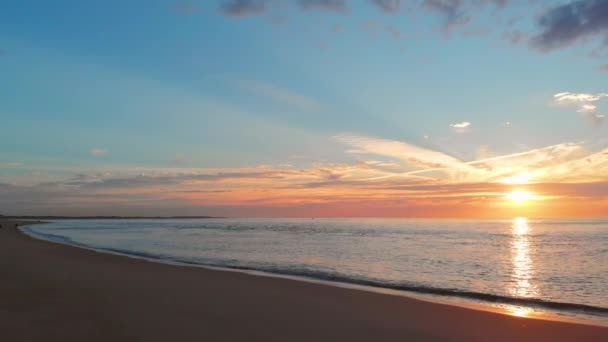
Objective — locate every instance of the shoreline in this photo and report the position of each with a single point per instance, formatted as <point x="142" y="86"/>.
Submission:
<point x="284" y="302"/>
<point x="528" y="310"/>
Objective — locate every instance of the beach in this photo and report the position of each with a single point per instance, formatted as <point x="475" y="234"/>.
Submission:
<point x="58" y="292"/>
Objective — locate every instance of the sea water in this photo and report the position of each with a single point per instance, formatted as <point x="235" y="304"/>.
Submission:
<point x="527" y="266"/>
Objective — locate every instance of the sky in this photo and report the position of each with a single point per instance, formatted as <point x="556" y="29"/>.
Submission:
<point x="304" y="108"/>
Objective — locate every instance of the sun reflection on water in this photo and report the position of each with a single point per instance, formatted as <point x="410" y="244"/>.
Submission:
<point x="522" y="265"/>
<point x="520" y="226"/>
<point x="519" y="311"/>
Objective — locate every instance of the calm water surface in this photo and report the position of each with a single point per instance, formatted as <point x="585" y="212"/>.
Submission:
<point x="528" y="267"/>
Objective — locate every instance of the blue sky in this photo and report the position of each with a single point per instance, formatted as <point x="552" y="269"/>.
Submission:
<point x="165" y="85"/>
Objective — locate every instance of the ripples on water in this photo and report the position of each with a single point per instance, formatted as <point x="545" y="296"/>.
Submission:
<point x="523" y="266"/>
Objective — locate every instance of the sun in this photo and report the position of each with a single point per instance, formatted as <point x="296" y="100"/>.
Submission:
<point x="519" y="196"/>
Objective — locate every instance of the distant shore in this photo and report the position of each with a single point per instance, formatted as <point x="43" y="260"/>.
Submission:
<point x="17" y="218"/>
<point x="51" y="291"/>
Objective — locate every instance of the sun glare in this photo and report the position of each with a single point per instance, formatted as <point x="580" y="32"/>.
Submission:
<point x="520" y="178"/>
<point x="519" y="196"/>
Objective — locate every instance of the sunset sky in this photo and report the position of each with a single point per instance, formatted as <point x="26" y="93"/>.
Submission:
<point x="299" y="108"/>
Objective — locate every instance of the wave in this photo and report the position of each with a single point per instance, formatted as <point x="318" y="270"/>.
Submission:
<point x="305" y="272"/>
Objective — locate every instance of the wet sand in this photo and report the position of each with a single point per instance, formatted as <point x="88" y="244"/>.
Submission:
<point x="51" y="292"/>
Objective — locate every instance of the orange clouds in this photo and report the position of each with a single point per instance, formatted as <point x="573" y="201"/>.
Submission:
<point x="390" y="178"/>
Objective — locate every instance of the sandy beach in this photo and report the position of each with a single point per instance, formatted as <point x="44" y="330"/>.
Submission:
<point x="56" y="292"/>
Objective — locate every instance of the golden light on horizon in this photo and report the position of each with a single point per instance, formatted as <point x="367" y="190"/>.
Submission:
<point x="519" y="196"/>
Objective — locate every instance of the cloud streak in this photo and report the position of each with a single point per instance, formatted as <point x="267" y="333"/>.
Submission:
<point x="411" y="154"/>
<point x="567" y="162"/>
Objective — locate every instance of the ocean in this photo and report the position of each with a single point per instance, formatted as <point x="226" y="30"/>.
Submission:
<point x="525" y="267"/>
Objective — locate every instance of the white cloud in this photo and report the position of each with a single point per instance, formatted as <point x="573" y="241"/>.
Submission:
<point x="585" y="102"/>
<point x="464" y="124"/>
<point x="567" y="97"/>
<point x="98" y="152"/>
<point x="587" y="108"/>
